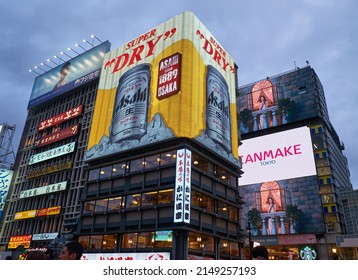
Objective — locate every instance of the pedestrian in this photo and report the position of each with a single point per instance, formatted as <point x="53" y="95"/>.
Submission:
<point x="71" y="251"/>
<point x="260" y="253"/>
<point x="36" y="255"/>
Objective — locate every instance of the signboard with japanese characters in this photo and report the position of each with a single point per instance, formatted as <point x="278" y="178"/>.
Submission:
<point x="56" y="152"/>
<point x="182" y="187"/>
<point x="72" y="113"/>
<point x="153" y="256"/>
<point x="58" y="135"/>
<point x="5" y="180"/>
<point x="17" y="240"/>
<point x="61" y="186"/>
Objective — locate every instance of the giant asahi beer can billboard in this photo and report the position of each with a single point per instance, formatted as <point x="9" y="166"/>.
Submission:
<point x="173" y="81"/>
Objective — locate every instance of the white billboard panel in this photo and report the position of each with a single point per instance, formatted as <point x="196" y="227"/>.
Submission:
<point x="278" y="156"/>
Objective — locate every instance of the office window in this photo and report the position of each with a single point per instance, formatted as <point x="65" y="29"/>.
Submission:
<point x="133" y="200"/>
<point x="93" y="175"/>
<point x="114" y="203"/>
<point x="149" y="198"/>
<point x="101" y="205"/>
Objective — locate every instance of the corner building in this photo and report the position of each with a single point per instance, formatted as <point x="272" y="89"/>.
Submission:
<point x="294" y="167"/>
<point x="153" y="171"/>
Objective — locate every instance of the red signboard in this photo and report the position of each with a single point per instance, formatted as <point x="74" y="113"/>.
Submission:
<point x="18" y="240"/>
<point x="72" y="113"/>
<point x="169" y="76"/>
<point x="59" y="135"/>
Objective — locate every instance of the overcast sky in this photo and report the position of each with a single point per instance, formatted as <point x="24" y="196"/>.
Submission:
<point x="265" y="38"/>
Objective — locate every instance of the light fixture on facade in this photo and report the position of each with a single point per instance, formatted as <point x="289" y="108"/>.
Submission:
<point x="38" y="67"/>
<point x="85" y="41"/>
<point x="61" y="60"/>
<point x="94" y="37"/>
<point x="46" y="65"/>
<point x="72" y="50"/>
<point x="63" y="53"/>
<point x="78" y="45"/>
<point x="33" y="71"/>
<point x="49" y="60"/>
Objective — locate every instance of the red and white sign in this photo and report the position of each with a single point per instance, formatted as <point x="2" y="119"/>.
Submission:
<point x="169" y="73"/>
<point x="182" y="186"/>
<point x="59" y="135"/>
<point x="277" y="156"/>
<point x="72" y="113"/>
<point x="126" y="256"/>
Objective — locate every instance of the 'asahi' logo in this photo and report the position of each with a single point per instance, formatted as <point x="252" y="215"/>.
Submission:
<point x="138" y="97"/>
<point x="213" y="100"/>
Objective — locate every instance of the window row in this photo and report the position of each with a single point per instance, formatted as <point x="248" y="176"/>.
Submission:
<point x="157" y="239"/>
<point x="156" y="198"/>
<point x="129" y="201"/>
<point x="160" y="160"/>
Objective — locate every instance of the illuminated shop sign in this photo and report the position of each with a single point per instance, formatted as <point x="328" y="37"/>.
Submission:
<point x="44" y="236"/>
<point x="308" y="253"/>
<point x="59" y="135"/>
<point x="48" y="170"/>
<point x="71" y="74"/>
<point x="57" y="187"/>
<point x="126" y="256"/>
<point x="5" y="180"/>
<point x="72" y="113"/>
<point x="55" y="152"/>
<point x="56" y="210"/>
<point x="17" y="240"/>
<point x="182" y="187"/>
<point x="277" y="156"/>
<point x="25" y="214"/>
<point x="173" y="81"/>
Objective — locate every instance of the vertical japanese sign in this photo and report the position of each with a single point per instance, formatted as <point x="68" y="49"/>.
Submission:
<point x="5" y="180"/>
<point x="182" y="187"/>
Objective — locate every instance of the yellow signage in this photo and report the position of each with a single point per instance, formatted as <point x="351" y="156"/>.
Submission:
<point x="175" y="80"/>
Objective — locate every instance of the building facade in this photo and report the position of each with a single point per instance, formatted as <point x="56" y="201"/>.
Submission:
<point x="308" y="212"/>
<point x="141" y="160"/>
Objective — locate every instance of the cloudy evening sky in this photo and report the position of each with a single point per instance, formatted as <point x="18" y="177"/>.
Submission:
<point x="265" y="38"/>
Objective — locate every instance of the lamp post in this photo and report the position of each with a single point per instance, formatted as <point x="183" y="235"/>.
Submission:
<point x="250" y="242"/>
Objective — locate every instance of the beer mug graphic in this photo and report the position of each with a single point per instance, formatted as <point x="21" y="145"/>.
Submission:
<point x="129" y="119"/>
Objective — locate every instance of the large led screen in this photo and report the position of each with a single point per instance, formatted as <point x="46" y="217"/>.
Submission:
<point x="175" y="80"/>
<point x="277" y="156"/>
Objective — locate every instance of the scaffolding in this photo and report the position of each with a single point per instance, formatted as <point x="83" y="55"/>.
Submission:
<point x="7" y="155"/>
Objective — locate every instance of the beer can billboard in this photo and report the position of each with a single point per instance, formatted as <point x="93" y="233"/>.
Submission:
<point x="175" y="80"/>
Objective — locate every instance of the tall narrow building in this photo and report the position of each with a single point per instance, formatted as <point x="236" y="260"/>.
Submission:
<point x="294" y="166"/>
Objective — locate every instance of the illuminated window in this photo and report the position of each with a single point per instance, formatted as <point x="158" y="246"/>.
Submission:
<point x="96" y="242"/>
<point x="88" y="207"/>
<point x="101" y="205"/>
<point x="119" y="169"/>
<point x="105" y="172"/>
<point x="146" y="240"/>
<point x="114" y="203"/>
<point x="129" y="240"/>
<point x="133" y="200"/>
<point x="152" y="161"/>
<point x="166" y="196"/>
<point x="84" y="241"/>
<point x="168" y="158"/>
<point x="136" y="165"/>
<point x="109" y="241"/>
<point x="149" y="198"/>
